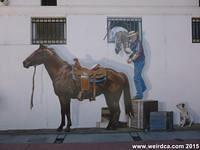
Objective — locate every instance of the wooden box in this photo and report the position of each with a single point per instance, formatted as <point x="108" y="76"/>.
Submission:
<point x="142" y="109"/>
<point x="161" y="120"/>
<point x="105" y="114"/>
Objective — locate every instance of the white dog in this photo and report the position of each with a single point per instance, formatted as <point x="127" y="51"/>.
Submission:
<point x="3" y="2"/>
<point x="185" y="117"/>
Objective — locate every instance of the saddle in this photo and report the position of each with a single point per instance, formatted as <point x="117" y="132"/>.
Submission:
<point x="89" y="78"/>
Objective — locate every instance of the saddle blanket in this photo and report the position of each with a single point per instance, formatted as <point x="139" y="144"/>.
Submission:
<point x="97" y="80"/>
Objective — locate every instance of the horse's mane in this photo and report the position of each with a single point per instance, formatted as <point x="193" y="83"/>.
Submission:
<point x="56" y="55"/>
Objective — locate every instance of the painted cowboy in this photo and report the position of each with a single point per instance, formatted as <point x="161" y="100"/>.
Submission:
<point x="138" y="59"/>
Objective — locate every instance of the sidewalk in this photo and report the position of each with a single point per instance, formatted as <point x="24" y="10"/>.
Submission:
<point x="92" y="139"/>
<point x="93" y="136"/>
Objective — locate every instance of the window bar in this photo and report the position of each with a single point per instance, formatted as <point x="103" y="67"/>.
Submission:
<point x="59" y="31"/>
<point x="65" y="31"/>
<point x="193" y="30"/>
<point x="197" y="29"/>
<point x="140" y="29"/>
<point x="49" y="2"/>
<point x="39" y="32"/>
<point x="134" y="26"/>
<point x="32" y="32"/>
<point x="49" y="31"/>
<point x="54" y="31"/>
<point x="46" y="31"/>
<point x="62" y="33"/>
<point x="130" y="27"/>
<point x="45" y="37"/>
<point x="35" y="33"/>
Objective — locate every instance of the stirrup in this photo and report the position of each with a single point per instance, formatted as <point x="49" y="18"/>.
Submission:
<point x="92" y="98"/>
<point x="80" y="95"/>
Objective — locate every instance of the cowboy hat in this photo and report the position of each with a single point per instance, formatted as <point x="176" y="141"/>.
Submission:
<point x="132" y="33"/>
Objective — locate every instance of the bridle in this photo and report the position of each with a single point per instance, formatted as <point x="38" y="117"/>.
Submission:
<point x="33" y="87"/>
<point x="44" y="56"/>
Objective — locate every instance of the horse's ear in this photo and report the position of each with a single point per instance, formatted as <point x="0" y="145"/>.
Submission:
<point x="42" y="46"/>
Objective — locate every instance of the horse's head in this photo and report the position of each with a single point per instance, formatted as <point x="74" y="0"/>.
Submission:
<point x="121" y="41"/>
<point x="38" y="57"/>
<point x="118" y="46"/>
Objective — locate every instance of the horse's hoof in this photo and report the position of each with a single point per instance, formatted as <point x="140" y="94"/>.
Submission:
<point x="59" y="129"/>
<point x="108" y="128"/>
<point x="67" y="130"/>
<point x="113" y="128"/>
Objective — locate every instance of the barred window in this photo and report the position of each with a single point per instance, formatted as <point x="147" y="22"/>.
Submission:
<point x="48" y="30"/>
<point x="116" y="24"/>
<point x="196" y="30"/>
<point x="48" y="2"/>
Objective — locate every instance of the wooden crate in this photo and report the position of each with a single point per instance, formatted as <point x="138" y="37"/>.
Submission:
<point x="142" y="109"/>
<point x="161" y="120"/>
<point x="105" y="114"/>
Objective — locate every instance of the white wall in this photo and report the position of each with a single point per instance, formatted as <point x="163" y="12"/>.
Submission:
<point x="110" y="2"/>
<point x="171" y="70"/>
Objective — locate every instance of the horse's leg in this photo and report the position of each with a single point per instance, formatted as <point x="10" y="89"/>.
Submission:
<point x="116" y="112"/>
<point x="112" y="100"/>
<point x="68" y="114"/>
<point x="107" y="98"/>
<point x="116" y="115"/>
<point x="63" y="111"/>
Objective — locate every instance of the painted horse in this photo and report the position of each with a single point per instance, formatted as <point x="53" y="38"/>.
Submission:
<point x="121" y="41"/>
<point x="66" y="86"/>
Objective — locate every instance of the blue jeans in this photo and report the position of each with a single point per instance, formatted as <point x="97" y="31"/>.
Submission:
<point x="139" y="82"/>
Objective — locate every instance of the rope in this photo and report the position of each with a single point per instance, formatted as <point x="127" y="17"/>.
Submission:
<point x="105" y="36"/>
<point x="33" y="87"/>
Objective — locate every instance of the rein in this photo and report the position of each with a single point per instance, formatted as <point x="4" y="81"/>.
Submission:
<point x="33" y="87"/>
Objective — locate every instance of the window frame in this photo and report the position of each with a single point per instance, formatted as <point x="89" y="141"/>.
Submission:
<point x="136" y="20"/>
<point x="195" y="24"/>
<point x="40" y="27"/>
<point x="48" y="3"/>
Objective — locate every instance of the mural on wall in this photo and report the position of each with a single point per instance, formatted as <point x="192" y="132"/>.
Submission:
<point x="75" y="81"/>
<point x="130" y="43"/>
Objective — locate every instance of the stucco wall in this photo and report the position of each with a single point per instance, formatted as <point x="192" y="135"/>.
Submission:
<point x="171" y="70"/>
<point x="110" y="2"/>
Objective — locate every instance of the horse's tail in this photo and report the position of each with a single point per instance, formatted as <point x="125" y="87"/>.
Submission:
<point x="127" y="97"/>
